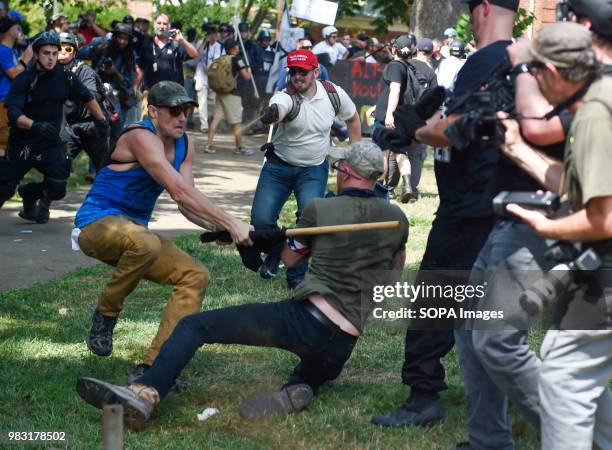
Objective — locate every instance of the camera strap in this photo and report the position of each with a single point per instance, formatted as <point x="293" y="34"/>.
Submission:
<point x="570" y="101"/>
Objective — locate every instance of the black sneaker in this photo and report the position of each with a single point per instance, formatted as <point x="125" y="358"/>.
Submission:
<point x="100" y="337"/>
<point x="269" y="268"/>
<point x="29" y="211"/>
<point x="291" y="398"/>
<point x="42" y="213"/>
<point x="416" y="411"/>
<point x="137" y="410"/>
<point x="140" y="369"/>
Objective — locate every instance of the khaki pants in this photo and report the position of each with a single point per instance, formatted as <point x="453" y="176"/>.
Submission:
<point x="138" y="253"/>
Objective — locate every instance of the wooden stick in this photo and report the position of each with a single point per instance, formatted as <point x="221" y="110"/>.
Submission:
<point x="112" y="427"/>
<point x="349" y="228"/>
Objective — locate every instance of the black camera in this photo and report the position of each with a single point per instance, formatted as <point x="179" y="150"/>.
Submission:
<point x="575" y="264"/>
<point x="564" y="12"/>
<point x="170" y="34"/>
<point x="547" y="202"/>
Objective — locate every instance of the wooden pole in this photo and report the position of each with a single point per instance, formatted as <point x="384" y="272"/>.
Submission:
<point x="112" y="427"/>
<point x="349" y="228"/>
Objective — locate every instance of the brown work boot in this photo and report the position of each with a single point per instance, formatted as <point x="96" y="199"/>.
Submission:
<point x="291" y="398"/>
<point x="138" y="400"/>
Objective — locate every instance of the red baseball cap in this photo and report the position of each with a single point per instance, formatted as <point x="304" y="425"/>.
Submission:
<point x="304" y="59"/>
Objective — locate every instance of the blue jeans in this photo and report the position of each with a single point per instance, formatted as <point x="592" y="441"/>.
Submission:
<point x="496" y="360"/>
<point x="276" y="183"/>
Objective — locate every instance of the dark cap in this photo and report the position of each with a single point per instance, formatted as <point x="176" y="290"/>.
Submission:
<point x="123" y="28"/>
<point x="169" y="93"/>
<point x="512" y="5"/>
<point x="243" y="26"/>
<point x="559" y="44"/>
<point x="425" y="45"/>
<point x="230" y="43"/>
<point x="362" y="37"/>
<point x="128" y="19"/>
<point x="404" y="43"/>
<point x="6" y="23"/>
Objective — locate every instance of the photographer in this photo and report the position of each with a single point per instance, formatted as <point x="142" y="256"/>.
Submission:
<point x="463" y="221"/>
<point x="163" y="59"/>
<point x="118" y="66"/>
<point x="88" y="27"/>
<point x="576" y="362"/>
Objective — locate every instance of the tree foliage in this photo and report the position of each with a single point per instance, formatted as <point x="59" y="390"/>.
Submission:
<point x="388" y="12"/>
<point x="522" y="21"/>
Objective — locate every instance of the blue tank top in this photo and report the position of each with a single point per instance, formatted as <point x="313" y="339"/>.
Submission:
<point x="132" y="193"/>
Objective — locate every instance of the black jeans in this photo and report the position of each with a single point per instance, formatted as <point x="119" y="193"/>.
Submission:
<point x="288" y="324"/>
<point x="453" y="245"/>
<point x="18" y="161"/>
<point x="83" y="136"/>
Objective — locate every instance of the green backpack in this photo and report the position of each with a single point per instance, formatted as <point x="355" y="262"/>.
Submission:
<point x="220" y="78"/>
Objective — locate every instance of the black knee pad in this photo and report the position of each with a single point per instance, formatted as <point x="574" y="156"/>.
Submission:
<point x="55" y="188"/>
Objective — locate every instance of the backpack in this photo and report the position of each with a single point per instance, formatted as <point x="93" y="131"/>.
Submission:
<point x="103" y="96"/>
<point x="220" y="78"/>
<point x="296" y="100"/>
<point x="416" y="84"/>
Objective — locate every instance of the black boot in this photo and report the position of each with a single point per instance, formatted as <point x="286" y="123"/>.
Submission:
<point x="29" y="210"/>
<point x="100" y="338"/>
<point x="421" y="409"/>
<point x="406" y="189"/>
<point x="42" y="213"/>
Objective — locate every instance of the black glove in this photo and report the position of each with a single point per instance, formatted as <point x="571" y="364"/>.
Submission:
<point x="263" y="241"/>
<point x="102" y="129"/>
<point x="463" y="130"/>
<point x="389" y="139"/>
<point x="430" y="102"/>
<point x="46" y="130"/>
<point x="407" y="121"/>
<point x="270" y="114"/>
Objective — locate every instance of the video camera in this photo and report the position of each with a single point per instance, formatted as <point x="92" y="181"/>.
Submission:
<point x="479" y="124"/>
<point x="564" y="12"/>
<point x="575" y="265"/>
<point x="547" y="202"/>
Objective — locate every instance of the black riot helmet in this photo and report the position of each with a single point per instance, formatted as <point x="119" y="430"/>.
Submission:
<point x="599" y="12"/>
<point x="457" y="48"/>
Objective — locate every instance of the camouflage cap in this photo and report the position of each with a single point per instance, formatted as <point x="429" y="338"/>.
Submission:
<point x="559" y="44"/>
<point x="169" y="93"/>
<point x="364" y="156"/>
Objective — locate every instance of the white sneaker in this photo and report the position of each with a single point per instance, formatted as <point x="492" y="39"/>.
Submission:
<point x="243" y="152"/>
<point x="208" y="149"/>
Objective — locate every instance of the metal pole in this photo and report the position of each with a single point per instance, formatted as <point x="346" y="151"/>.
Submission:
<point x="112" y="427"/>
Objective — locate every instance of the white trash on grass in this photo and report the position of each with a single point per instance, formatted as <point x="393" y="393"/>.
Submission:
<point x="208" y="412"/>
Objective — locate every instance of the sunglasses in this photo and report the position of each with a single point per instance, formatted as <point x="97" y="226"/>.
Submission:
<point x="175" y="111"/>
<point x="307" y="47"/>
<point x="335" y="167"/>
<point x="67" y="48"/>
<point x="293" y="71"/>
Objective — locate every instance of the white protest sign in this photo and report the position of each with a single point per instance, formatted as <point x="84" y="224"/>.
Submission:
<point x="319" y="11"/>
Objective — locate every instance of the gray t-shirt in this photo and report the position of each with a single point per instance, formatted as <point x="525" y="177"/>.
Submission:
<point x="305" y="140"/>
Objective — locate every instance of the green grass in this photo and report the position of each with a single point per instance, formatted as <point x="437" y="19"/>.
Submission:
<point x="43" y="353"/>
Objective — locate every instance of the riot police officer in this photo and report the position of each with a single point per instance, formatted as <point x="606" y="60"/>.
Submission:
<point x="35" y="109"/>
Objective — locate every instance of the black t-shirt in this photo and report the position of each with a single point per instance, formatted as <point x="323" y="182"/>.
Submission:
<point x="238" y="63"/>
<point x="396" y="71"/>
<point x="463" y="176"/>
<point x="40" y="95"/>
<point x="162" y="64"/>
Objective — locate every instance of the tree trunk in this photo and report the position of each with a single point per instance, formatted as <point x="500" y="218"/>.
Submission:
<point x="431" y="17"/>
<point x="257" y="20"/>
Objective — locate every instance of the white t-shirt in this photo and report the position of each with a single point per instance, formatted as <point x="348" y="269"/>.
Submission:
<point x="335" y="52"/>
<point x="447" y="71"/>
<point x="305" y="140"/>
<point x="209" y="54"/>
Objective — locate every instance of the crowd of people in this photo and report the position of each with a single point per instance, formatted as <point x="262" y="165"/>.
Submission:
<point x="516" y="115"/>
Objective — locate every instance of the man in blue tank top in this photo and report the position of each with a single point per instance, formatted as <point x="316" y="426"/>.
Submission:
<point x="149" y="157"/>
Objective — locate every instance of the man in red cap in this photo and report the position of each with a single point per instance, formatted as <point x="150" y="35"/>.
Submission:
<point x="296" y="157"/>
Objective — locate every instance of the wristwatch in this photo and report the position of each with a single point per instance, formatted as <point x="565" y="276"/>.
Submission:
<point x="519" y="69"/>
<point x="20" y="61"/>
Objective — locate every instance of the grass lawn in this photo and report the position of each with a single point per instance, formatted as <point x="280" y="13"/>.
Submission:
<point x="43" y="353"/>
